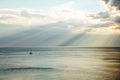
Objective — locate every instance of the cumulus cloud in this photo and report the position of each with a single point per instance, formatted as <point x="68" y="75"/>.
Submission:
<point x="23" y="17"/>
<point x="58" y="22"/>
<point x="113" y="3"/>
<point x="110" y="19"/>
<point x="75" y="20"/>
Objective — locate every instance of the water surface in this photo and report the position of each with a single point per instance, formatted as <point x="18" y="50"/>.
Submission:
<point x="60" y="64"/>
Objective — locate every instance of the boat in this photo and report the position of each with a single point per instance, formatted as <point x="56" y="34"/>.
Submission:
<point x="30" y="52"/>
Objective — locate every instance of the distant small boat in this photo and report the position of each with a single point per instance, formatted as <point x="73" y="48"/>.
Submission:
<point x="31" y="52"/>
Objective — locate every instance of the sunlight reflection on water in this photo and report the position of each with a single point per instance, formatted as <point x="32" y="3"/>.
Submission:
<point x="61" y="65"/>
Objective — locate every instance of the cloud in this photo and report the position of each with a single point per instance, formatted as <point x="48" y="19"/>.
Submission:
<point x="59" y="25"/>
<point x="27" y="17"/>
<point x="23" y="17"/>
<point x="112" y="4"/>
<point x="75" y="20"/>
<point x="110" y="19"/>
<point x="116" y="19"/>
<point x="106" y="1"/>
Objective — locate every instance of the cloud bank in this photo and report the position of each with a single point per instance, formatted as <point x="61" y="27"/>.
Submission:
<point x="58" y="22"/>
<point x="109" y="20"/>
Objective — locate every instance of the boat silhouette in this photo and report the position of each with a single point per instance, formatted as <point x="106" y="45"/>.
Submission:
<point x="31" y="52"/>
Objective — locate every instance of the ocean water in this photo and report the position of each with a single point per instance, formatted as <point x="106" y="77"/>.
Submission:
<point x="60" y="63"/>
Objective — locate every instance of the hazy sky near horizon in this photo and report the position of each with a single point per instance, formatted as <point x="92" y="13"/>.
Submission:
<point x="59" y="23"/>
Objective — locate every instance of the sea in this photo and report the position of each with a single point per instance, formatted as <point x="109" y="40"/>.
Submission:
<point x="60" y="63"/>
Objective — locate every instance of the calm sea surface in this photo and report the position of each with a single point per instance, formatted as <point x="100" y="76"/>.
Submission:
<point x="67" y="63"/>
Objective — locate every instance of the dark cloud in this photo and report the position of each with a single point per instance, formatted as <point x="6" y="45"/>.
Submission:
<point x="106" y="1"/>
<point x="104" y="14"/>
<point x="113" y="3"/>
<point x="101" y="25"/>
<point x="117" y="19"/>
<point x="110" y="17"/>
<point x="100" y="15"/>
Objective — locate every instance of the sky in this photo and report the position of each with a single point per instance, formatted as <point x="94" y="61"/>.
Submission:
<point x="30" y="23"/>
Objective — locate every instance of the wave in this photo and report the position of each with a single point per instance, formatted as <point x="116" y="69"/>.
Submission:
<point x="27" y="68"/>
